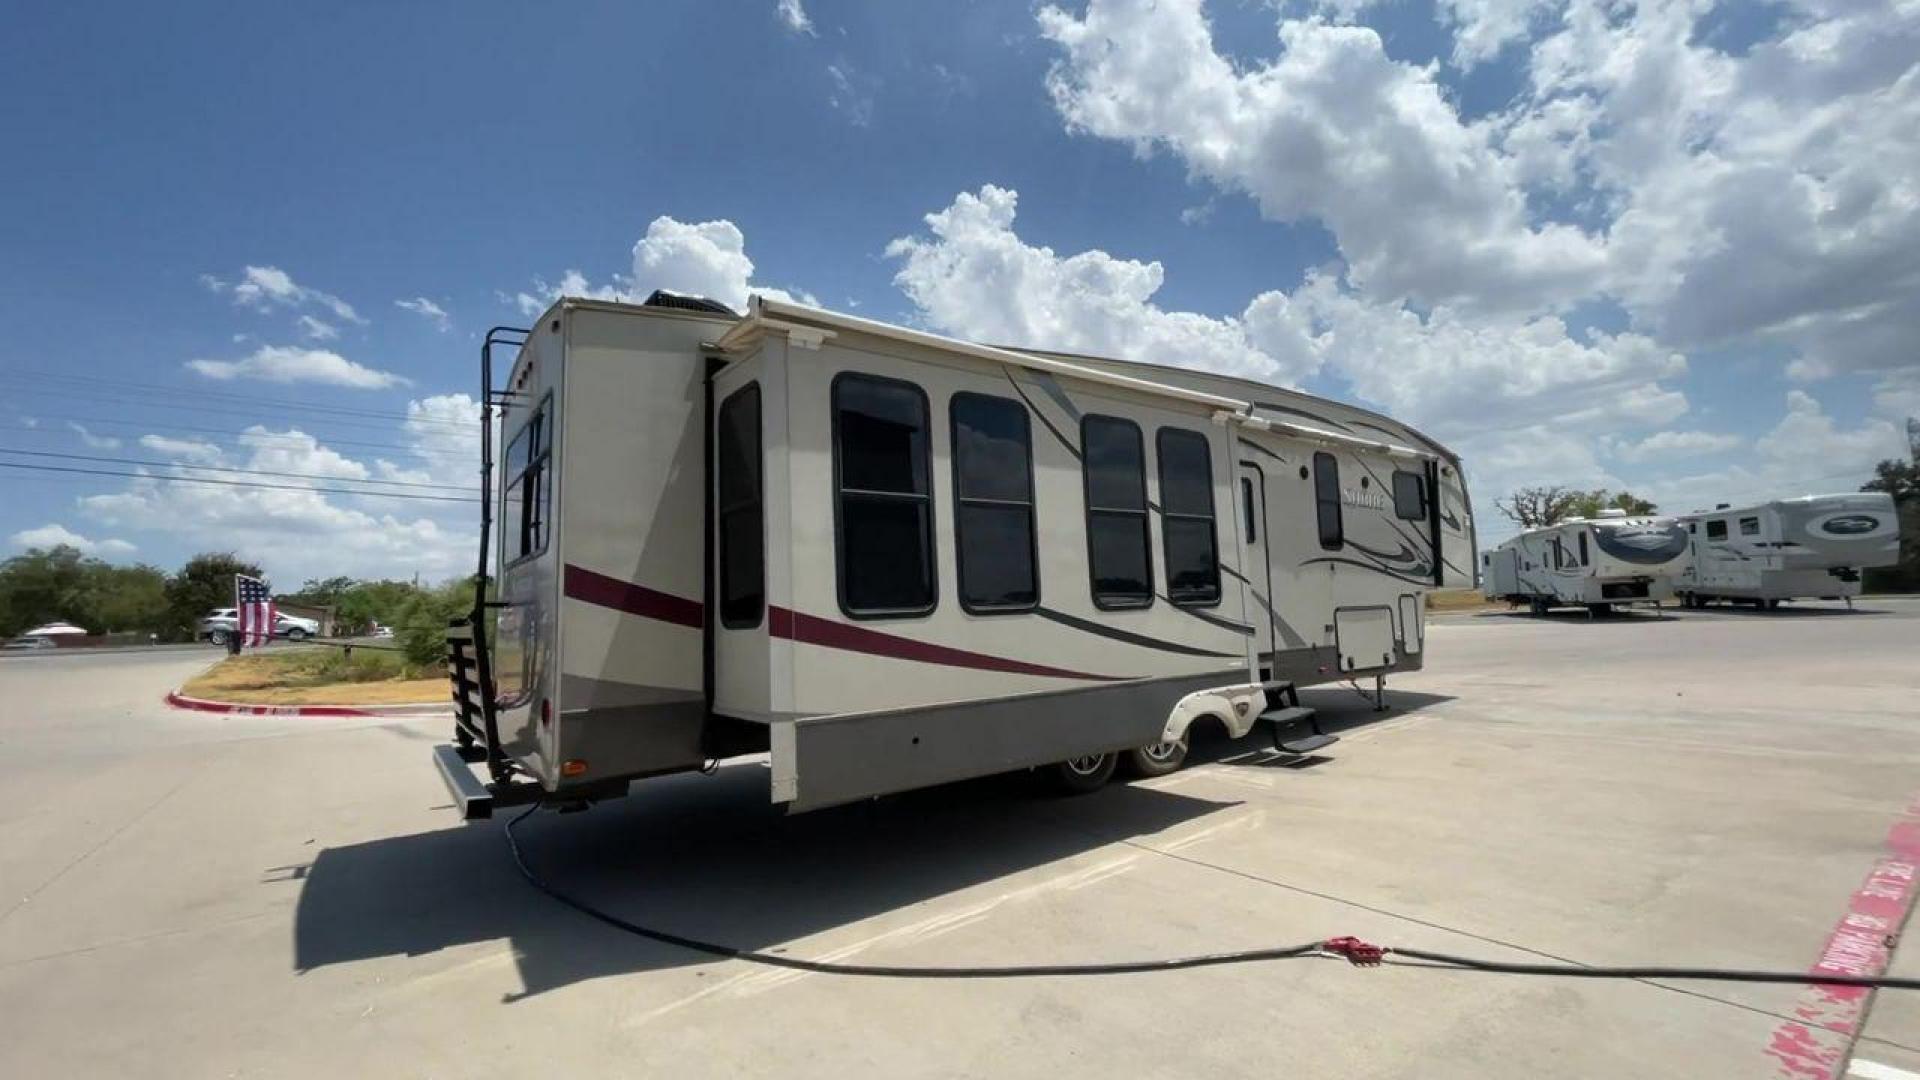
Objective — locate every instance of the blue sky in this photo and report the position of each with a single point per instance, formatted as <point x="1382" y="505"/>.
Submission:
<point x="465" y="154"/>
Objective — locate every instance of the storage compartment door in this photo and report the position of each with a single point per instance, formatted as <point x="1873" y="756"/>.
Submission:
<point x="1364" y="636"/>
<point x="1412" y="626"/>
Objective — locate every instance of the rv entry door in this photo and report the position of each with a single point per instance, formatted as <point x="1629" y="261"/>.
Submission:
<point x="1251" y="490"/>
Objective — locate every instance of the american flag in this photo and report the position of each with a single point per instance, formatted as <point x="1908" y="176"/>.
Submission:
<point x="254" y="606"/>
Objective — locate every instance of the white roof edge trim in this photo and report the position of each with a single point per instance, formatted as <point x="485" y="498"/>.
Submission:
<point x="1334" y="438"/>
<point x="764" y="312"/>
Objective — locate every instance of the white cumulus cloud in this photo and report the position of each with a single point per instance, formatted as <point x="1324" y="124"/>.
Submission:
<point x="264" y="287"/>
<point x="1666" y="446"/>
<point x="288" y="364"/>
<point x="1423" y="204"/>
<point x="316" y="329"/>
<point x="974" y="277"/>
<point x="427" y="310"/>
<point x="57" y="535"/>
<point x="95" y="442"/>
<point x="794" y="16"/>
<point x="296" y="530"/>
<point x="705" y="258"/>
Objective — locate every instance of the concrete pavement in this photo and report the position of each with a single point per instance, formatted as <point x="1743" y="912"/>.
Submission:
<point x="189" y="895"/>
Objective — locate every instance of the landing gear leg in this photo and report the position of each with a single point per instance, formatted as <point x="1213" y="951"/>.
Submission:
<point x="1379" y="693"/>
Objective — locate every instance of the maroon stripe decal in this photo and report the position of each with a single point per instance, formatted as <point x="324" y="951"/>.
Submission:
<point x="585" y="585"/>
<point x="580" y="583"/>
<point x="813" y="630"/>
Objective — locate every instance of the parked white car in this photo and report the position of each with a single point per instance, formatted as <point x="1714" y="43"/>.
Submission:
<point x="222" y="623"/>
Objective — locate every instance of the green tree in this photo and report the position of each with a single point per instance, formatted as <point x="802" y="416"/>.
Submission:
<point x="1533" y="507"/>
<point x="43" y="585"/>
<point x="204" y="583"/>
<point x="125" y="599"/>
<point x="1900" y="479"/>
<point x="421" y="626"/>
<point x="1588" y="504"/>
<point x="371" y="602"/>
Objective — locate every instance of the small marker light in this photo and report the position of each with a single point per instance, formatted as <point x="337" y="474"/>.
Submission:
<point x="575" y="767"/>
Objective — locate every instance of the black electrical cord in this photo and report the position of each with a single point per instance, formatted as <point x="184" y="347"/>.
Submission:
<point x="886" y="971"/>
<point x="1575" y="971"/>
<point x="1358" y="952"/>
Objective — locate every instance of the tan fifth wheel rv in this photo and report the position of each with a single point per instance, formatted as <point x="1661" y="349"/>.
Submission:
<point x="889" y="559"/>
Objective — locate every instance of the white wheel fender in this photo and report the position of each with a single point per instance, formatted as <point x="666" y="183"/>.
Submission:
<point x="1234" y="706"/>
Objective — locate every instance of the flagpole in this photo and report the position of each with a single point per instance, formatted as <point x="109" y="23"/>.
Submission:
<point x="233" y="639"/>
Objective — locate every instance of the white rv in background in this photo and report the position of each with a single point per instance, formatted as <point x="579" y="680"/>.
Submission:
<point x="890" y="559"/>
<point x="1593" y="563"/>
<point x="1812" y="547"/>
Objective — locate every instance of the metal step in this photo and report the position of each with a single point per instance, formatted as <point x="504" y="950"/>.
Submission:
<point x="1292" y="716"/>
<point x="1307" y="744"/>
<point x="470" y="796"/>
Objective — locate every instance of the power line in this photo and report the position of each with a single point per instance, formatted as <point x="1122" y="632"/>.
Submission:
<point x="293" y="440"/>
<point x="235" y="483"/>
<point x="222" y="395"/>
<point x="230" y="469"/>
<point x="101" y="397"/>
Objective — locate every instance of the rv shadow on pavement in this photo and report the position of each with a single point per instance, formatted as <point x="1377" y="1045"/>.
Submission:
<point x="1786" y="611"/>
<point x="1616" y="617"/>
<point x="706" y="857"/>
<point x="1341" y="711"/>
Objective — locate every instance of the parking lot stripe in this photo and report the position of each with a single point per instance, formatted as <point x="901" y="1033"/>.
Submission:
<point x="1873" y="1070"/>
<point x="1861" y="944"/>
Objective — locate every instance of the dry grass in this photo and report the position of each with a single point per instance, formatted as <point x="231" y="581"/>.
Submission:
<point x="1461" y="600"/>
<point x="316" y="676"/>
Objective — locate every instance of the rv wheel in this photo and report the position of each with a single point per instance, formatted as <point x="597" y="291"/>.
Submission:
<point x="1085" y="774"/>
<point x="1157" y="760"/>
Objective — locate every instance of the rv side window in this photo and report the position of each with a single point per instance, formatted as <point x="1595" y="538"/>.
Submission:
<point x="1583" y="547"/>
<point x="529" y="491"/>
<point x="1187" y="538"/>
<point x="1246" y="509"/>
<point x="1716" y="530"/>
<point x="993" y="504"/>
<point x="885" y="499"/>
<point x="743" y="566"/>
<point x="1409" y="496"/>
<point x="1326" y="500"/>
<point x="1115" y="467"/>
<point x="1750" y="526"/>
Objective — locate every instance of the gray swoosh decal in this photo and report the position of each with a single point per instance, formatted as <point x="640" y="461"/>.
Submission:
<point x="1071" y="447"/>
<point x="1052" y="388"/>
<point x="1369" y="566"/>
<point x="1258" y="449"/>
<point x="1145" y="642"/>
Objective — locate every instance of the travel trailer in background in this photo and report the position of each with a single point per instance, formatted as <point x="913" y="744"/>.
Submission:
<point x="1813" y="547"/>
<point x="890" y="559"/>
<point x="1590" y="562"/>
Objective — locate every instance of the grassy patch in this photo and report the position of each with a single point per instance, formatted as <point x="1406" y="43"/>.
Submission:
<point x="318" y="676"/>
<point x="1460" y="600"/>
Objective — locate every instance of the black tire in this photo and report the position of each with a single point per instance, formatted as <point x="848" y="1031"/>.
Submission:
<point x="1159" y="759"/>
<point x="297" y="634"/>
<point x="1537" y="608"/>
<point x="1086" y="774"/>
<point x="1773" y="605"/>
<point x="1600" y="609"/>
<point x="217" y="637"/>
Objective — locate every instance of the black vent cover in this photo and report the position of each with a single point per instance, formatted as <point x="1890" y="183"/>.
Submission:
<point x="663" y="298"/>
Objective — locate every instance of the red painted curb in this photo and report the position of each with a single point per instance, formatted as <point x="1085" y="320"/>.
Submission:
<point x="181" y="701"/>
